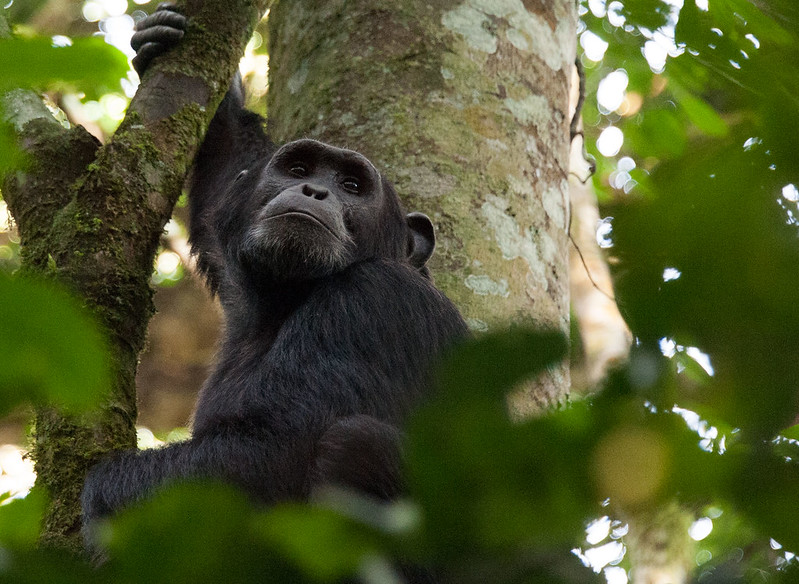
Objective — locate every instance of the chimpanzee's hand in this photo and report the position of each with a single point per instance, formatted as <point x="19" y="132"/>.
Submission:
<point x="156" y="34"/>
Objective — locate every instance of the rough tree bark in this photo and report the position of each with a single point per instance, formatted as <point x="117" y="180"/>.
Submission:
<point x="465" y="105"/>
<point x="91" y="216"/>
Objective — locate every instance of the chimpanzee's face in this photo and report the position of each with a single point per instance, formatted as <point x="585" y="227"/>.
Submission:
<point x="316" y="209"/>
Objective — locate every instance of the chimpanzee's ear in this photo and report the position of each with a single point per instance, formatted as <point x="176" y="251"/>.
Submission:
<point x="421" y="239"/>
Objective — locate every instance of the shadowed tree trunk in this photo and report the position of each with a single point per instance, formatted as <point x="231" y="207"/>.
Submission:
<point x="465" y="106"/>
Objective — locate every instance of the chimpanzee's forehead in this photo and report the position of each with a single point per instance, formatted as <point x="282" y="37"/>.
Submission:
<point x="308" y="148"/>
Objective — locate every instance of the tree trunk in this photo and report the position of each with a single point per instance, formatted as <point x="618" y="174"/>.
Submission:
<point x="604" y="337"/>
<point x="91" y="216"/>
<point x="465" y="106"/>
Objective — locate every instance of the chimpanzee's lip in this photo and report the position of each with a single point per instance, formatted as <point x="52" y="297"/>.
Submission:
<point x="305" y="214"/>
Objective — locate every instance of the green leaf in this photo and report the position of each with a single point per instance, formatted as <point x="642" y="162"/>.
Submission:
<point x="485" y="483"/>
<point x="656" y="132"/>
<point x="791" y="433"/>
<point x="325" y="545"/>
<point x="766" y="491"/>
<point x="36" y="63"/>
<point x="50" y="565"/>
<point x="650" y="14"/>
<point x="762" y="20"/>
<point x="491" y="365"/>
<point x="700" y="113"/>
<point x="20" y="520"/>
<point x="191" y="532"/>
<point x="51" y="351"/>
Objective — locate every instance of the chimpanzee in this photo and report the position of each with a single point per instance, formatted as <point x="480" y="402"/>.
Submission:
<point x="332" y="322"/>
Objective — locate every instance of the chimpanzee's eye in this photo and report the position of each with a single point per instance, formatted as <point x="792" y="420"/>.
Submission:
<point x="298" y="169"/>
<point x="351" y="184"/>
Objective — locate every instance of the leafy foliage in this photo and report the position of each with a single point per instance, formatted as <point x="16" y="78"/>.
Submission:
<point x="88" y="65"/>
<point x="705" y="243"/>
<point x="50" y="350"/>
<point x="719" y="208"/>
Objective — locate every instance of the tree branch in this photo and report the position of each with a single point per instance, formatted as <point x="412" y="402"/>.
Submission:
<point x="92" y="216"/>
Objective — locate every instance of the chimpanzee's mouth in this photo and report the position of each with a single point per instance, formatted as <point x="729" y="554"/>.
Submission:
<point x="304" y="215"/>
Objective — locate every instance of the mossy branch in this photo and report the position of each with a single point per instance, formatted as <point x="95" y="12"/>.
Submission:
<point x="91" y="216"/>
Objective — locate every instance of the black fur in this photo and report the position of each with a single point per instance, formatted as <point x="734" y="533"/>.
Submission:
<point x="331" y="322"/>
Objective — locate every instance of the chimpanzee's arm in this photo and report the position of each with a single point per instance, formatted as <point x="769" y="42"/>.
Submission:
<point x="268" y="468"/>
<point x="359" y="452"/>
<point x="234" y="141"/>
